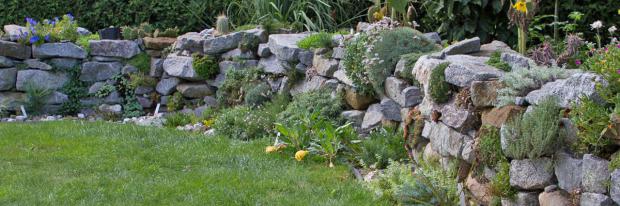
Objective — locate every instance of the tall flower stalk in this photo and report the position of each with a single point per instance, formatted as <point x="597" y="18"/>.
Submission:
<point x="521" y="14"/>
<point x="597" y="25"/>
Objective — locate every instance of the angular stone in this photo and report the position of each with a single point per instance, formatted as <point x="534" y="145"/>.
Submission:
<point x="157" y="67"/>
<point x="8" y="77"/>
<point x="41" y="79"/>
<point x="498" y="116"/>
<point x="142" y="90"/>
<point x="106" y="59"/>
<point x="284" y="46"/>
<point x="236" y="65"/>
<point x="6" y="62"/>
<point x="64" y="63"/>
<point x="522" y="199"/>
<point x="263" y="50"/>
<point x="114" y="48"/>
<point x="357" y="100"/>
<point x="180" y="66"/>
<point x="221" y="44"/>
<point x="306" y="58"/>
<point x="56" y="98"/>
<point x="273" y="65"/>
<point x="238" y="54"/>
<point x="167" y="86"/>
<point x="324" y="66"/>
<point x="595" y="199"/>
<point x="464" y="70"/>
<point x="83" y="31"/>
<point x="12" y="99"/>
<point x="14" y="50"/>
<point x="195" y="90"/>
<point x="464" y="47"/>
<point x="99" y="71"/>
<point x="314" y="83"/>
<point x="614" y="190"/>
<point x="446" y="141"/>
<point x="145" y="102"/>
<point x="390" y="110"/>
<point x="430" y="155"/>
<point x="338" y="53"/>
<point x="114" y="109"/>
<point x="158" y="43"/>
<point x="355" y="116"/>
<point x="595" y="174"/>
<point x="36" y="64"/>
<point x="490" y="48"/>
<point x="96" y="87"/>
<point x="568" y="172"/>
<point x="341" y="76"/>
<point x="531" y="174"/>
<point x="412" y="96"/>
<point x="423" y="69"/>
<point x="434" y="36"/>
<point x="480" y="191"/>
<point x="260" y="34"/>
<point x="516" y="60"/>
<point x="192" y="42"/>
<point x="59" y="50"/>
<point x="569" y="90"/>
<point x="113" y="98"/>
<point x="14" y="31"/>
<point x="373" y="117"/>
<point x="129" y="69"/>
<point x="394" y="88"/>
<point x="401" y="66"/>
<point x="461" y="119"/>
<point x="484" y="93"/>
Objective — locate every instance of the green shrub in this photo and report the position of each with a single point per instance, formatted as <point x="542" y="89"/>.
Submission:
<point x="245" y="27"/>
<point x="590" y="119"/>
<point x="315" y="41"/>
<point x="83" y="41"/>
<point x="36" y="98"/>
<point x="500" y="186"/>
<point x="328" y="139"/>
<point x="176" y="102"/>
<point x="140" y="79"/>
<point x="496" y="61"/>
<point x="176" y="119"/>
<point x="318" y="101"/>
<point x="232" y="90"/>
<point x="141" y="61"/>
<point x="168" y="32"/>
<point x="244" y="123"/>
<point x="257" y="94"/>
<point x="411" y="60"/>
<point x="489" y="148"/>
<point x="249" y="43"/>
<point x="520" y="82"/>
<point x="354" y="66"/>
<point x="105" y="90"/>
<point x="131" y="107"/>
<point x="205" y="66"/>
<point x="56" y="30"/>
<point x="615" y="162"/>
<point x="381" y="147"/>
<point x="438" y="87"/>
<point x="534" y="134"/>
<point x="144" y="30"/>
<point x="75" y="90"/>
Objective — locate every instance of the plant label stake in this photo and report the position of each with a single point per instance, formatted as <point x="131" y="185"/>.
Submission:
<point x="23" y="111"/>
<point x="157" y="110"/>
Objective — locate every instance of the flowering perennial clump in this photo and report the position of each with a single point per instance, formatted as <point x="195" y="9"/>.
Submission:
<point x="55" y="30"/>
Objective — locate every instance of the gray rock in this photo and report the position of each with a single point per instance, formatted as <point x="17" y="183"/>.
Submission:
<point x="12" y="99"/>
<point x="64" y="63"/>
<point x="58" y="50"/>
<point x="56" y="98"/>
<point x="260" y="34"/>
<point x="142" y="90"/>
<point x="115" y="109"/>
<point x="614" y="190"/>
<point x="14" y="50"/>
<point x="325" y="66"/>
<point x="463" y="70"/>
<point x="595" y="199"/>
<point x="394" y="88"/>
<point x="338" y="53"/>
<point x="8" y="77"/>
<point x="14" y="31"/>
<point x="284" y="46"/>
<point x="468" y="154"/>
<point x="195" y="90"/>
<point x="238" y="54"/>
<point x="157" y="67"/>
<point x="129" y="69"/>
<point x="434" y="36"/>
<point x="96" y="87"/>
<point x="6" y="62"/>
<point x="106" y="59"/>
<point x="36" y="64"/>
<point x="484" y="93"/>
<point x="163" y="100"/>
<point x="218" y="81"/>
<point x="192" y="42"/>
<point x="306" y="58"/>
<point x="568" y="172"/>
<point x="113" y="98"/>
<point x="445" y="140"/>
<point x="167" y="86"/>
<point x="401" y="66"/>
<point x="263" y="50"/>
<point x="463" y="47"/>
<point x="390" y="110"/>
<point x="355" y="116"/>
<point x="180" y="66"/>
<point x="531" y="174"/>
<point x="99" y="71"/>
<point x="595" y="174"/>
<point x="145" y="102"/>
<point x="273" y="65"/>
<point x="569" y="90"/>
<point x="114" y="48"/>
<point x="221" y="44"/>
<point x="357" y="100"/>
<point x="488" y="49"/>
<point x="83" y="31"/>
<point x="41" y="79"/>
<point x="341" y="76"/>
<point x="516" y="60"/>
<point x="412" y="96"/>
<point x="210" y="101"/>
<point x="236" y="65"/>
<point x="461" y="119"/>
<point x="314" y="83"/>
<point x="373" y="117"/>
<point x="522" y="199"/>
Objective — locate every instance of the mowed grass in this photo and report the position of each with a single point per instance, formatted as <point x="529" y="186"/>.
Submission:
<point x="80" y="163"/>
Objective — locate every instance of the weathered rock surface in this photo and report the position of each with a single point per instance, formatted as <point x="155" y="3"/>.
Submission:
<point x="569" y="90"/>
<point x="263" y="50"/>
<point x="461" y="119"/>
<point x="498" y="116"/>
<point x="8" y="76"/>
<point x="595" y="174"/>
<point x="324" y="66"/>
<point x="99" y="71"/>
<point x="167" y="86"/>
<point x="390" y="110"/>
<point x="114" y="109"/>
<point x="36" y="64"/>
<point x="221" y="44"/>
<point x="531" y="174"/>
<point x="14" y="31"/>
<point x="56" y="98"/>
<point x="516" y="60"/>
<point x="237" y="54"/>
<point x="484" y="93"/>
<point x="554" y="198"/>
<point x="357" y="100"/>
<point x="464" y="47"/>
<point x="314" y="83"/>
<point x="355" y="116"/>
<point x="568" y="172"/>
<point x="114" y="48"/>
<point x="614" y="190"/>
<point x="64" y="63"/>
<point x="284" y="46"/>
<point x="341" y="76"/>
<point x="446" y="141"/>
<point x="14" y="50"/>
<point x="158" y="43"/>
<point x="59" y="50"/>
<point x="41" y="79"/>
<point x="434" y="36"/>
<point x="480" y="191"/>
<point x="373" y="117"/>
<point x="273" y="65"/>
<point x="12" y="99"/>
<point x="180" y="66"/>
<point x="522" y="199"/>
<point x="6" y="62"/>
<point x="464" y="70"/>
<point x="192" y="42"/>
<point x="411" y="97"/>
<point x="195" y="90"/>
<point x="595" y="199"/>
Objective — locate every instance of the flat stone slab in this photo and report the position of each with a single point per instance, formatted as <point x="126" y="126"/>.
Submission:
<point x="284" y="46"/>
<point x="569" y="90"/>
<point x="41" y="79"/>
<point x="14" y="50"/>
<point x="464" y="70"/>
<point x="99" y="71"/>
<point x="180" y="66"/>
<point x="114" y="48"/>
<point x="59" y="50"/>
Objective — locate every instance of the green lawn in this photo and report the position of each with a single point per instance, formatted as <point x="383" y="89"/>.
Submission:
<point x="79" y="163"/>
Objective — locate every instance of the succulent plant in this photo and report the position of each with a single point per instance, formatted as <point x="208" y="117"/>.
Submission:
<point x="222" y="25"/>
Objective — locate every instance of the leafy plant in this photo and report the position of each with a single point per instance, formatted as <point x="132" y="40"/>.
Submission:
<point x="489" y="147"/>
<point x="614" y="164"/>
<point x="245" y="27"/>
<point x="141" y="80"/>
<point x="258" y="95"/>
<point x="233" y="89"/>
<point x="141" y="61"/>
<point x="54" y="30"/>
<point x="500" y="186"/>
<point x="591" y="120"/>
<point x="354" y="66"/>
<point x="315" y="41"/>
<point x="318" y="101"/>
<point x="535" y="133"/>
<point x="36" y="98"/>
<point x="328" y="139"/>
<point x="439" y="89"/>
<point x="520" y="82"/>
<point x="496" y="61"/>
<point x="176" y="119"/>
<point x="168" y="32"/>
<point x="83" y="41"/>
<point x="176" y="102"/>
<point x="75" y="90"/>
<point x="205" y="66"/>
<point x="381" y="147"/>
<point x="105" y="90"/>
<point x="143" y="30"/>
<point x="244" y="123"/>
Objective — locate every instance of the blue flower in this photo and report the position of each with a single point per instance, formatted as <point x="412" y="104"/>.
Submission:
<point x="31" y="21"/>
<point x="34" y="39"/>
<point x="33" y="30"/>
<point x="70" y="16"/>
<point x="48" y="38"/>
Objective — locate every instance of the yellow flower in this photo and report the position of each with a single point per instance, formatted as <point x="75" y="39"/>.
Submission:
<point x="271" y="149"/>
<point x="378" y="15"/>
<point x="520" y="6"/>
<point x="299" y="155"/>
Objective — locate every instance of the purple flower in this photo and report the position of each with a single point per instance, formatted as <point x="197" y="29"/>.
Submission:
<point x="48" y="38"/>
<point x="578" y="62"/>
<point x="618" y="71"/>
<point x="70" y="16"/>
<point x="34" y="39"/>
<point x="31" y="21"/>
<point x="618" y="46"/>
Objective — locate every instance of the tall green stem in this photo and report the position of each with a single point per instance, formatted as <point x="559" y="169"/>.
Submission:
<point x="522" y="41"/>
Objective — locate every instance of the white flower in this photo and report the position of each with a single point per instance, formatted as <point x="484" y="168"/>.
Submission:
<point x="612" y="29"/>
<point x="597" y="25"/>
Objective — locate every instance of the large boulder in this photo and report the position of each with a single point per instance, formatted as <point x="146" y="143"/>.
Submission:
<point x="221" y="44"/>
<point x="568" y="172"/>
<point x="595" y="174"/>
<point x="595" y="199"/>
<point x="99" y="71"/>
<point x="464" y="70"/>
<point x="569" y="90"/>
<point x="273" y="65"/>
<point x="59" y="50"/>
<point x="8" y="77"/>
<point x="14" y="50"/>
<point x="614" y="191"/>
<point x="167" y="85"/>
<point x="192" y="42"/>
<point x="195" y="90"/>
<point x="463" y="47"/>
<point x="447" y="141"/>
<point x="114" y="48"/>
<point x="41" y="79"/>
<point x="357" y="100"/>
<point x="284" y="46"/>
<point x="531" y="174"/>
<point x="180" y="66"/>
